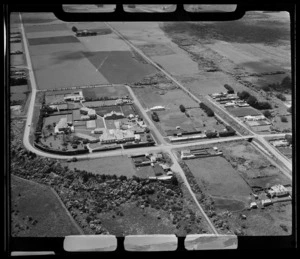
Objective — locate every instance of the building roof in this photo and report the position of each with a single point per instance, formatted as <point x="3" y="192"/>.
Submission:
<point x="278" y="188"/>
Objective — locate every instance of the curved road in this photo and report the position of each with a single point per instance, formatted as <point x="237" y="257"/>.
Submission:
<point x="164" y="147"/>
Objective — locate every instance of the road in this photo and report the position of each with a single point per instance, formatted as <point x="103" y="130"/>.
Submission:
<point x="285" y="161"/>
<point x="163" y="147"/>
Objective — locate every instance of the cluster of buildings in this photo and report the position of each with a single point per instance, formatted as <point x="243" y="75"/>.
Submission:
<point x="200" y="153"/>
<point x="229" y="100"/>
<point x="161" y="170"/>
<point x="87" y="113"/>
<point x="62" y="125"/>
<point x="280" y="143"/>
<point x="258" y="122"/>
<point x="122" y="101"/>
<point x="109" y="136"/>
<point x="276" y="193"/>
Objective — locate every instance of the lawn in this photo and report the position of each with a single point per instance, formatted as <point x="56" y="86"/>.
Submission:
<point x="19" y="89"/>
<point x="36" y="201"/>
<point x="127" y="109"/>
<point x="101" y="111"/>
<point x="118" y="165"/>
<point x="243" y="111"/>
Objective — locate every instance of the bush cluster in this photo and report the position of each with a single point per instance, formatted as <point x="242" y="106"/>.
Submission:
<point x="155" y="116"/>
<point x="253" y="102"/>
<point x="208" y="111"/>
<point x="229" y="89"/>
<point x="182" y="108"/>
<point x="229" y="132"/>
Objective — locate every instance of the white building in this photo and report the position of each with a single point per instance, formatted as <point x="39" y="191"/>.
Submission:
<point x="186" y="154"/>
<point x="75" y="97"/>
<point x="254" y="118"/>
<point x="62" y="125"/>
<point x="278" y="191"/>
<point x="230" y="104"/>
<point x="158" y="108"/>
<point x="266" y="202"/>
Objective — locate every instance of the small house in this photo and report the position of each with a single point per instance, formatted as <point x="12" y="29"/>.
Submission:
<point x="253" y="205"/>
<point x="266" y="202"/>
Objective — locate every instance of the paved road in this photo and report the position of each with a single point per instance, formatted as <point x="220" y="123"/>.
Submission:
<point x="164" y="147"/>
<point x="285" y="161"/>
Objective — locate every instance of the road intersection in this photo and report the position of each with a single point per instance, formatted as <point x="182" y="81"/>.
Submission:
<point x="163" y="146"/>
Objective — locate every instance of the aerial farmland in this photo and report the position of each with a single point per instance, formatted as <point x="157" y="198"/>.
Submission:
<point x="148" y="128"/>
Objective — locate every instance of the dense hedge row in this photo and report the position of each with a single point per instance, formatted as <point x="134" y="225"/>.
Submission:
<point x="208" y="111"/>
<point x="60" y="152"/>
<point x="18" y="81"/>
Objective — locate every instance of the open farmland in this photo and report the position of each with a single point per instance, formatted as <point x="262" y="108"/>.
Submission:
<point x="37" y="212"/>
<point x="120" y="66"/>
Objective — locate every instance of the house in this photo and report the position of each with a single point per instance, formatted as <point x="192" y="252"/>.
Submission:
<point x="186" y="154"/>
<point x="266" y="202"/>
<point x="262" y="125"/>
<point x="75" y="97"/>
<point x="253" y="205"/>
<point x="98" y="130"/>
<point x="165" y="167"/>
<point x="280" y="143"/>
<point x="137" y="137"/>
<point x="278" y="190"/>
<point x="62" y="125"/>
<point x="170" y="173"/>
<point x="114" y="115"/>
<point x="254" y="118"/>
<point x="84" y="110"/>
<point x="85" y="117"/>
<point x="116" y="135"/>
<point x="230" y="104"/>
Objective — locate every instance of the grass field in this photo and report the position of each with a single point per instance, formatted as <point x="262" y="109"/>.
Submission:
<point x="243" y="111"/>
<point x="219" y="179"/>
<point x="34" y="201"/>
<point x="105" y="91"/>
<point x="118" y="165"/>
